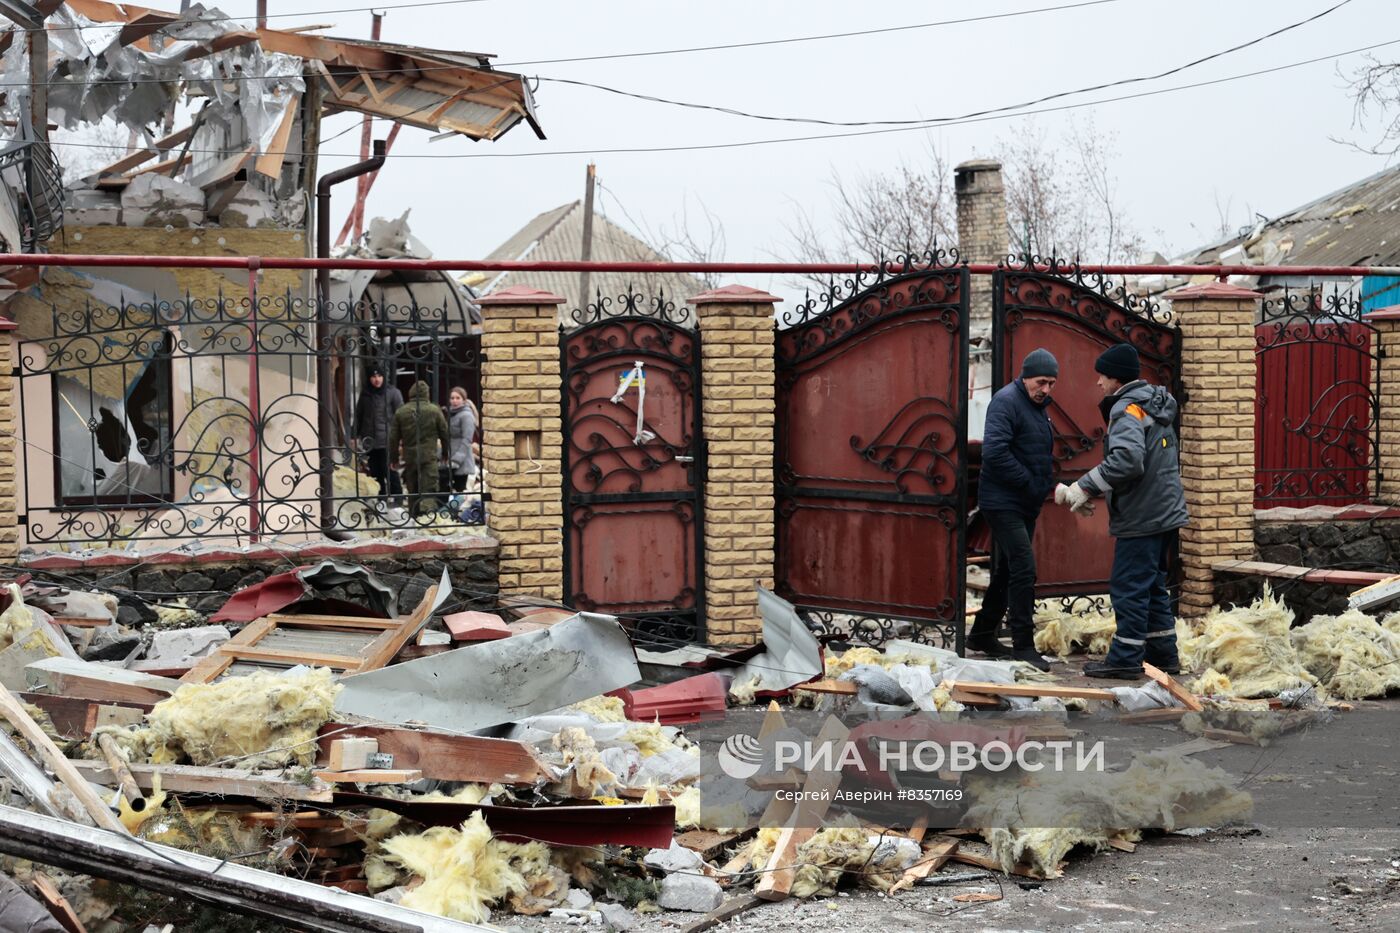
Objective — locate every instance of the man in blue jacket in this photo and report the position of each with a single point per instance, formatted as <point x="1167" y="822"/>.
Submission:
<point x="1018" y="467"/>
<point x="1141" y="477"/>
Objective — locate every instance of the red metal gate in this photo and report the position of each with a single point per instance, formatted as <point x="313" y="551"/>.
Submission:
<point x="632" y="509"/>
<point x="871" y="451"/>
<point x="1076" y="316"/>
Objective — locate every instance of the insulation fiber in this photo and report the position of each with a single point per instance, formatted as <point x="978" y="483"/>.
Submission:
<point x="1352" y="655"/>
<point x="1250" y="646"/>
<point x="1062" y="633"/>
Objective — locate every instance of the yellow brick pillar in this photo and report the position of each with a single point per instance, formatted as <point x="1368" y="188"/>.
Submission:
<point x="737" y="373"/>
<point x="1387" y="324"/>
<point x="9" y="428"/>
<point x="1217" y="432"/>
<point x="522" y="444"/>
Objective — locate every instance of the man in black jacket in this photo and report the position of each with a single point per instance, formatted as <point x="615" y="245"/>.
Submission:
<point x="1017" y="472"/>
<point x="373" y="416"/>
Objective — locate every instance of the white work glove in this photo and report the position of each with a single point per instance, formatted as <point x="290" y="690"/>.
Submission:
<point x="1074" y="496"/>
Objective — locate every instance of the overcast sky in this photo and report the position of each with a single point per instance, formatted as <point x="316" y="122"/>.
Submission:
<point x="1260" y="144"/>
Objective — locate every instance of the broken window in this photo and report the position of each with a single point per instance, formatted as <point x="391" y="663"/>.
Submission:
<point x="114" y="434"/>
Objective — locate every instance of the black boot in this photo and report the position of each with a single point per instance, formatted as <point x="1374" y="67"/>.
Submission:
<point x="1112" y="671"/>
<point x="987" y="643"/>
<point x="1031" y="657"/>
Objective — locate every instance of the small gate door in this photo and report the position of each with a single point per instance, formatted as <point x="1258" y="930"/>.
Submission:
<point x="871" y="452"/>
<point x="1076" y="317"/>
<point x="633" y="470"/>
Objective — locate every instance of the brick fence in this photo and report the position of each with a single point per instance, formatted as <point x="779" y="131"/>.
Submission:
<point x="1387" y="323"/>
<point x="9" y="447"/>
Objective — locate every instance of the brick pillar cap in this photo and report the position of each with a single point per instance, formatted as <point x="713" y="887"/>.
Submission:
<point x="1212" y="290"/>
<point x="977" y="165"/>
<point x="1391" y="313"/>
<point x="521" y="295"/>
<point x="7" y="324"/>
<point x="734" y="295"/>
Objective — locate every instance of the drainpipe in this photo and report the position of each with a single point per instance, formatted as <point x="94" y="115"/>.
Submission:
<point x="325" y="426"/>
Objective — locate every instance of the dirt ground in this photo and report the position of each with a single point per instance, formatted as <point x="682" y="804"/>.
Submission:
<point x="1236" y="879"/>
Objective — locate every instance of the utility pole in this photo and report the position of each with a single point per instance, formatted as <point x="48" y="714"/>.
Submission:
<point x="586" y="252"/>
<point x="357" y="211"/>
<point x="262" y="13"/>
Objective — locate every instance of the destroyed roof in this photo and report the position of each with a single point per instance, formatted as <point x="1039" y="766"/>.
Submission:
<point x="440" y="90"/>
<point x="1356" y="224"/>
<point x="557" y="235"/>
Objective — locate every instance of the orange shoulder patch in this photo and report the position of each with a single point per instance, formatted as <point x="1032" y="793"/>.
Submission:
<point x="1136" y="411"/>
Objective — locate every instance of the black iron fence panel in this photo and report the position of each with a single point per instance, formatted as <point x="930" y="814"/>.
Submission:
<point x="201" y="418"/>
<point x="1317" y="401"/>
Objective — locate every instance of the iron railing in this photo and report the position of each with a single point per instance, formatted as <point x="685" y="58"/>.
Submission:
<point x="197" y="419"/>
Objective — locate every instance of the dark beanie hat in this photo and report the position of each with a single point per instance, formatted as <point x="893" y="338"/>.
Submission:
<point x="374" y="369"/>
<point x="1120" y="362"/>
<point x="1039" y="362"/>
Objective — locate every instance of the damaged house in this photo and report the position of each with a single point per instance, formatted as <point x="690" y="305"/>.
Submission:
<point x="189" y="402"/>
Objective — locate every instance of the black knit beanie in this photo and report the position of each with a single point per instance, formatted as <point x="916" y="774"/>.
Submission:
<point x="1120" y="362"/>
<point x="1040" y="362"/>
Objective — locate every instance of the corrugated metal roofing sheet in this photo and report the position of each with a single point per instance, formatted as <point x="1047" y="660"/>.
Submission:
<point x="1356" y="224"/>
<point x="557" y="236"/>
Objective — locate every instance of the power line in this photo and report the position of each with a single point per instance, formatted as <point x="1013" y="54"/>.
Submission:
<point x="976" y="113"/>
<point x="741" y="144"/>
<point x="832" y="35"/>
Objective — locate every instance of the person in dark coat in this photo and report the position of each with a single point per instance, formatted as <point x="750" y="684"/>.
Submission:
<point x="373" y="415"/>
<point x="415" y="434"/>
<point x="1018" y="468"/>
<point x="1140" y="476"/>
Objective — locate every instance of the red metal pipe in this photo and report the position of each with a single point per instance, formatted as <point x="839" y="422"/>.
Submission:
<point x="506" y="265"/>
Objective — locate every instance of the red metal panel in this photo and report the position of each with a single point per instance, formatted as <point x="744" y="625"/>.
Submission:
<point x="1312" y="413"/>
<point x="871" y="452"/>
<point x="1076" y="319"/>
<point x="632" y="510"/>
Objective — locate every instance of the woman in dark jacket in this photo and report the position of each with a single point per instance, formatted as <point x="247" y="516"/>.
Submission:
<point x="1018" y="468"/>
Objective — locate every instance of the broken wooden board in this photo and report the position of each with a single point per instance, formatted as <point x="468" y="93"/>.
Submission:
<point x="57" y="904"/>
<point x="1145" y="716"/>
<point x="1034" y="690"/>
<point x="724" y="912"/>
<point x="709" y="844"/>
<point x="227" y="782"/>
<point x="351" y="754"/>
<point x="89" y="681"/>
<point x="838" y="687"/>
<point x="817" y="794"/>
<point x="967" y="698"/>
<point x="1183" y="696"/>
<point x="76" y="718"/>
<point x="991" y="864"/>
<point x="372" y="776"/>
<point x="446" y="757"/>
<point x="345" y="644"/>
<point x="1375" y="594"/>
<point x="101" y="816"/>
<point x="935" y="856"/>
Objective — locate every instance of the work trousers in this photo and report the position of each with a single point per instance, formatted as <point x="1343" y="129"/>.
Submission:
<point x="1011" y="592"/>
<point x="421" y="478"/>
<point x="1142" y="604"/>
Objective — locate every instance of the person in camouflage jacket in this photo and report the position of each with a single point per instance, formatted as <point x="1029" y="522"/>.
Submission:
<point x="418" y="440"/>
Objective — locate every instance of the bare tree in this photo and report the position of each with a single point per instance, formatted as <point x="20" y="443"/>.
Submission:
<point x="703" y="241"/>
<point x="88" y="148"/>
<point x="1375" y="92"/>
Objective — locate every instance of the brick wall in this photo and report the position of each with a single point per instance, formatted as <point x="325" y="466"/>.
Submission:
<point x="1217" y="433"/>
<point x="9" y="426"/>
<point x="982" y="235"/>
<point x="522" y="443"/>
<point x="738" y="408"/>
<point x="1387" y="322"/>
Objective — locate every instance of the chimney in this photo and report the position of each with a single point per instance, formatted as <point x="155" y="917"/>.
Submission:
<point x="982" y="234"/>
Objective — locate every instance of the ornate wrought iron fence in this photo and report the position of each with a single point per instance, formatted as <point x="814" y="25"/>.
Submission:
<point x="197" y="419"/>
<point x="1317" y="402"/>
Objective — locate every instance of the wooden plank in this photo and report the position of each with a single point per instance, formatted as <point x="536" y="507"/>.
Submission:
<point x="310" y="658"/>
<point x="775" y="884"/>
<point x="228" y="782"/>
<point x="58" y="905"/>
<point x="270" y="162"/>
<point x="972" y="699"/>
<point x="708" y="843"/>
<point x="382" y="650"/>
<point x="89" y="681"/>
<point x="101" y="816"/>
<point x="1169" y="683"/>
<point x="302" y="819"/>
<point x="446" y="757"/>
<point x="1153" y="715"/>
<point x="372" y="776"/>
<point x="724" y="912"/>
<point x="80" y="622"/>
<point x="210" y="668"/>
<point x="934" y="857"/>
<point x="120" y="771"/>
<point x="75" y="718"/>
<point x="839" y="687"/>
<point x="352" y="753"/>
<point x="737" y="866"/>
<point x="991" y="864"/>
<point x="332" y="622"/>
<point x="128" y="162"/>
<point x="1035" y="690"/>
<point x="1122" y="845"/>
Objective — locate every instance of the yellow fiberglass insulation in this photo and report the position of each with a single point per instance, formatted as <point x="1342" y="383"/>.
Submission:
<point x="16" y="618"/>
<point x="602" y="708"/>
<point x="1250" y="646"/>
<point x="838" y="664"/>
<point x="687" y="803"/>
<point x="878" y="861"/>
<point x="465" y="871"/>
<point x="1037" y="822"/>
<point x="582" y="752"/>
<point x="744" y="692"/>
<point x="1064" y="633"/>
<point x="1211" y="683"/>
<point x="1352" y="654"/>
<point x="651" y="739"/>
<point x="262" y="720"/>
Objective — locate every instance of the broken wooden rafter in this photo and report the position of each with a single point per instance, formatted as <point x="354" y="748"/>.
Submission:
<point x="1034" y="690"/>
<point x="444" y="756"/>
<point x="226" y="782"/>
<point x="1168" y="683"/>
<point x="99" y="683"/>
<point x="371" y="776"/>
<point x="220" y="883"/>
